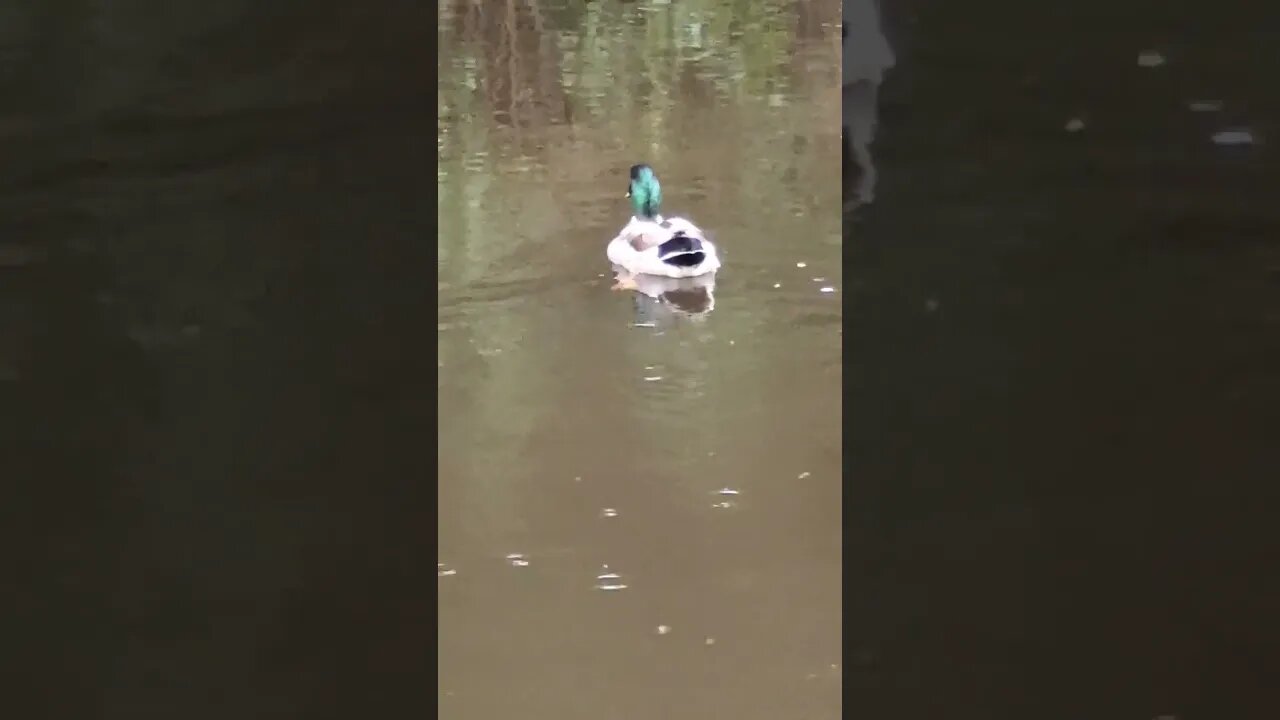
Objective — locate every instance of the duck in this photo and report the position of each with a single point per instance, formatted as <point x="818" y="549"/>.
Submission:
<point x="653" y="245"/>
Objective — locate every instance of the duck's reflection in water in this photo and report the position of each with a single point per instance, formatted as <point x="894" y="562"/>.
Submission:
<point x="659" y="299"/>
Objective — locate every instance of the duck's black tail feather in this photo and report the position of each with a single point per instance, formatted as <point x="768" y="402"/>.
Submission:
<point x="682" y="251"/>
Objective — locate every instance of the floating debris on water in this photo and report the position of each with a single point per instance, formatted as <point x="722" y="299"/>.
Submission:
<point x="777" y="285"/>
<point x="609" y="513"/>
<point x="802" y="264"/>
<point x="644" y="324"/>
<point x="664" y="629"/>
<point x="803" y="475"/>
<point x="710" y="641"/>
<point x="443" y="570"/>
<point x="517" y="560"/>
<point x="819" y="279"/>
<point x="577" y="478"/>
<point x="1075" y="124"/>
<point x="727" y="503"/>
<point x="827" y="289"/>
<point x="1237" y="136"/>
<point x="730" y="342"/>
<point x="1150" y="59"/>
<point x="609" y="581"/>
<point x="1205" y="105"/>
<point x="653" y="378"/>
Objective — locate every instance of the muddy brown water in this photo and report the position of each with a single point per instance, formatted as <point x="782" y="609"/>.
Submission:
<point x="693" y="450"/>
<point x="215" y="363"/>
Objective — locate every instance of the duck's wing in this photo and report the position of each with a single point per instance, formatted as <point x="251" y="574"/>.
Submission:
<point x="645" y="241"/>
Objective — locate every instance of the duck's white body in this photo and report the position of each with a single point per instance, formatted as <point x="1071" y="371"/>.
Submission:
<point x="664" y="247"/>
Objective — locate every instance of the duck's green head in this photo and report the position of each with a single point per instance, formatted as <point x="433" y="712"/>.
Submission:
<point x="644" y="191"/>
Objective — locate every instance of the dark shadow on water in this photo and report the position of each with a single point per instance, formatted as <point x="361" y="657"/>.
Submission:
<point x="214" y="274"/>
<point x="1062" y="377"/>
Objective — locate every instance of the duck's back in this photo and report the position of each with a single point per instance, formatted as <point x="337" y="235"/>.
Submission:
<point x="680" y="225"/>
<point x="645" y="235"/>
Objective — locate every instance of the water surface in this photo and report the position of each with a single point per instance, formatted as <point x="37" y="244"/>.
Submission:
<point x="1062" y="364"/>
<point x="214" y="280"/>
<point x="580" y="427"/>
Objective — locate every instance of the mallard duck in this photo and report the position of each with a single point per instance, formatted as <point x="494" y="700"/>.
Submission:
<point x="653" y="245"/>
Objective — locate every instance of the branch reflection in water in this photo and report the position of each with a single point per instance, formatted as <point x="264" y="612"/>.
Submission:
<point x="866" y="58"/>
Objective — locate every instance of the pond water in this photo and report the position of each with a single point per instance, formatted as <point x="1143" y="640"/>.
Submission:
<point x="215" y="292"/>
<point x="690" y="448"/>
<point x="1062" y="352"/>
